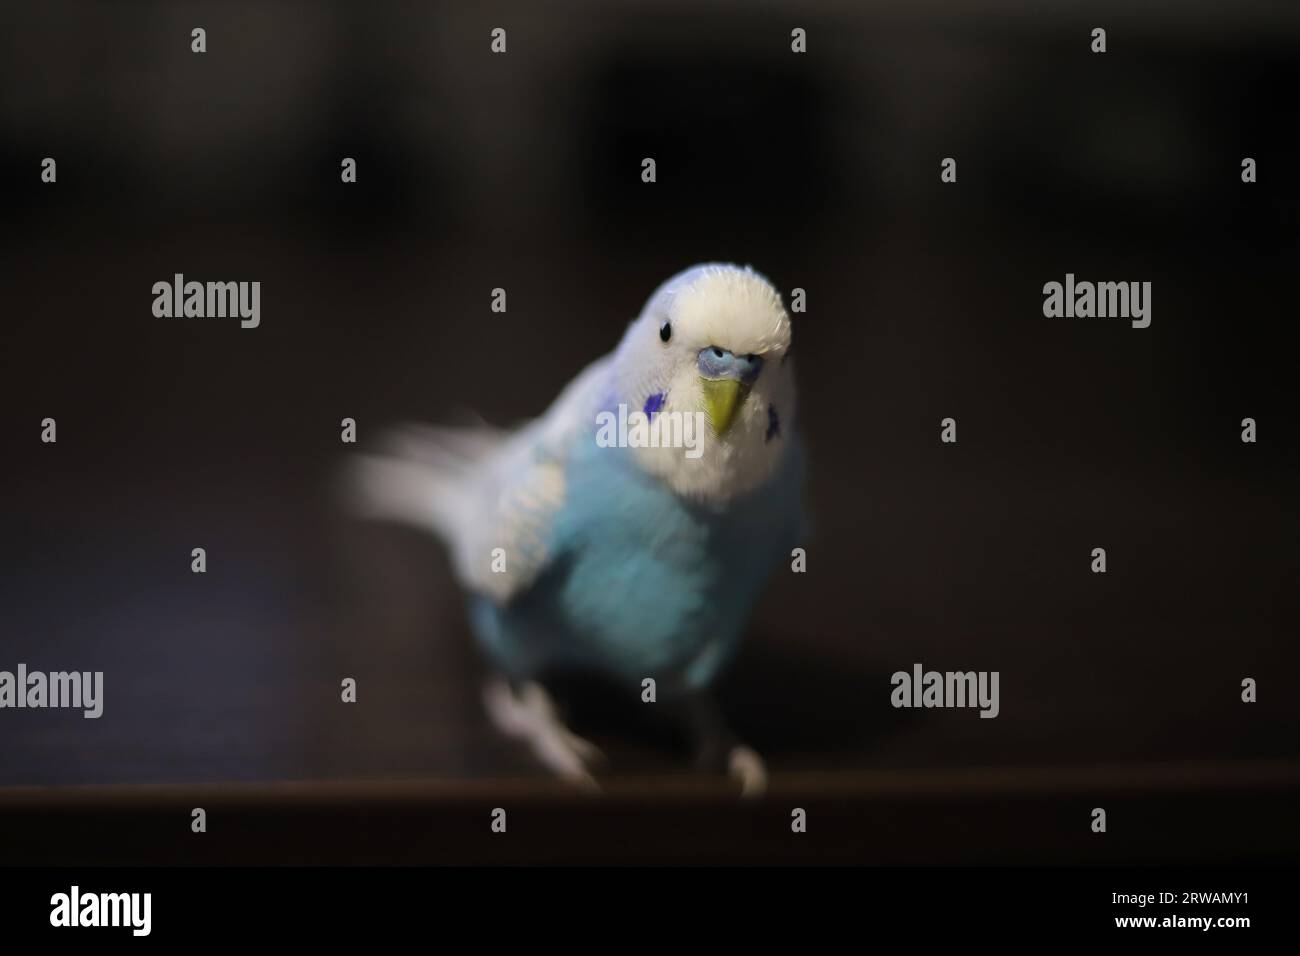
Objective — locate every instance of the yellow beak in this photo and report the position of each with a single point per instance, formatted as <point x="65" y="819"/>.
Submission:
<point x="722" y="399"/>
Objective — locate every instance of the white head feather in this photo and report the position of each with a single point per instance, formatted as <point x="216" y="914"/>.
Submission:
<point x="706" y="306"/>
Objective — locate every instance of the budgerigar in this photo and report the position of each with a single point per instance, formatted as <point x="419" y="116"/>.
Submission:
<point x="581" y="554"/>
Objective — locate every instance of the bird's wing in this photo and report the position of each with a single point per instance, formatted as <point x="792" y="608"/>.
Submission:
<point x="482" y="489"/>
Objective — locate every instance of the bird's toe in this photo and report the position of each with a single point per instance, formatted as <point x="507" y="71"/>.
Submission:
<point x="746" y="766"/>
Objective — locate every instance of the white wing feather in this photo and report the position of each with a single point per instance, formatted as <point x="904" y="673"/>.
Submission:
<point x="481" y="488"/>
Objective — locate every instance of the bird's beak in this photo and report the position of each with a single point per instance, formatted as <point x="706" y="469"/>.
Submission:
<point x="722" y="399"/>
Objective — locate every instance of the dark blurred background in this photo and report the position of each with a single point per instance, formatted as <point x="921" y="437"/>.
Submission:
<point x="522" y="171"/>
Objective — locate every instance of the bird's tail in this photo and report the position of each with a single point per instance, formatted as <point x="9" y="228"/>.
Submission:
<point x="421" y="475"/>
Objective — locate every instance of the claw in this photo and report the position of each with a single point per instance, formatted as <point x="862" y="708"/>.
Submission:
<point x="747" y="766"/>
<point x="531" y="715"/>
<point x="584" y="748"/>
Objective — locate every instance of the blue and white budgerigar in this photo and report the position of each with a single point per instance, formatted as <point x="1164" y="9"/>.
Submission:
<point x="628" y="562"/>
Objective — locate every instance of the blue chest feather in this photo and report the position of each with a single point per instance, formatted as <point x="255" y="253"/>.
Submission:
<point x="642" y="583"/>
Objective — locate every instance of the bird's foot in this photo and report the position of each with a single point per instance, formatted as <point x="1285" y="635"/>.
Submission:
<point x="719" y="751"/>
<point x="530" y="714"/>
<point x="746" y="766"/>
<point x="740" y="763"/>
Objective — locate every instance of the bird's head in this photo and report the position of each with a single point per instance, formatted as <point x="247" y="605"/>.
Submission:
<point x="715" y="340"/>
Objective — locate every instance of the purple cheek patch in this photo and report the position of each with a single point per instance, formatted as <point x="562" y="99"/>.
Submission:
<point x="654" y="403"/>
<point x="773" y="424"/>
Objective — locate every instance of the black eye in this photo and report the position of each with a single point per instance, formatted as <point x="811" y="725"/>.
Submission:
<point x="717" y="351"/>
<point x="665" y="332"/>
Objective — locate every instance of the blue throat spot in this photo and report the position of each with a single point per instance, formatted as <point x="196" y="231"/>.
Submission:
<point x="773" y="424"/>
<point x="654" y="403"/>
